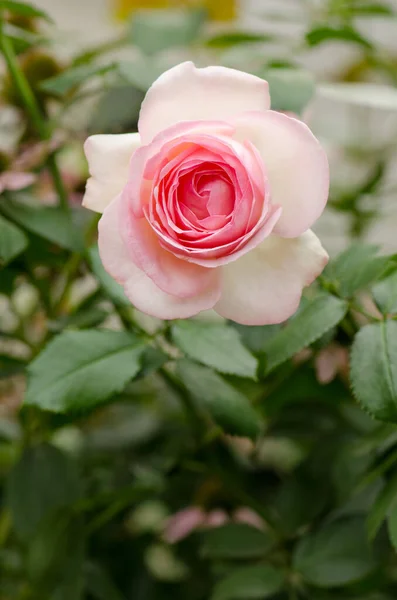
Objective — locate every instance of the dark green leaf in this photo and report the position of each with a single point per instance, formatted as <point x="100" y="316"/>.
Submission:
<point x="10" y="365"/>
<point x="318" y="35"/>
<point x="374" y="369"/>
<point x="117" y="110"/>
<point x="235" y="38"/>
<point x="43" y="481"/>
<point x="290" y="89"/>
<point x="355" y="268"/>
<point x="113" y="289"/>
<point x="255" y="337"/>
<point x="72" y="78"/>
<point x="336" y="555"/>
<point x="228" y="407"/>
<point x="382" y="506"/>
<point x="215" y="345"/>
<point x="81" y="369"/>
<point x="250" y="583"/>
<point x="385" y="294"/>
<point x="99" y="584"/>
<point x="392" y="527"/>
<point x="235" y="540"/>
<point x="156" y="30"/>
<point x="23" y="9"/>
<point x="49" y="222"/>
<point x="12" y="241"/>
<point x="316" y="318"/>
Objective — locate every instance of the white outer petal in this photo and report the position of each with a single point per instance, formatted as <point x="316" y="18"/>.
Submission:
<point x="108" y="159"/>
<point x="296" y="166"/>
<point x="185" y="93"/>
<point x="265" y="285"/>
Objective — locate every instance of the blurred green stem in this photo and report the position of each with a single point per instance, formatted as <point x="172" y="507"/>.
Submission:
<point x="33" y="110"/>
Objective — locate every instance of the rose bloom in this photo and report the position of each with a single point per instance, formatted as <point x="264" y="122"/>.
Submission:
<point x="209" y="205"/>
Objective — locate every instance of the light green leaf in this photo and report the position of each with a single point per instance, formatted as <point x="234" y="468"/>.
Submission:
<point x="355" y="268"/>
<point x="235" y="540"/>
<point x="255" y="337"/>
<point x="373" y="370"/>
<point x="43" y="481"/>
<point x="228" y="407"/>
<point x="363" y="9"/>
<point x="318" y="35"/>
<point x="380" y="509"/>
<point x="49" y="222"/>
<point x="385" y="294"/>
<point x="316" y="318"/>
<point x="336" y="555"/>
<point x="290" y="89"/>
<point x="24" y="9"/>
<point x="250" y="583"/>
<point x="74" y="77"/>
<point x="155" y="30"/>
<point x="12" y="241"/>
<point x="215" y="345"/>
<point x="79" y="370"/>
<point x="236" y="38"/>
<point x="117" y="110"/>
<point x="113" y="289"/>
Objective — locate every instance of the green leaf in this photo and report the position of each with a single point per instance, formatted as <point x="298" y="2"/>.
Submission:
<point x="290" y="89"/>
<point x="355" y="268"/>
<point x="43" y="481"/>
<point x="48" y="222"/>
<point x="336" y="555"/>
<point x="23" y="9"/>
<point x="228" y="407"/>
<point x="215" y="345"/>
<point x="385" y="294"/>
<point x="117" y="110"/>
<point x="373" y="370"/>
<point x="99" y="584"/>
<point x="79" y="370"/>
<point x="392" y="527"/>
<point x="22" y="39"/>
<point x="155" y="30"/>
<point x="255" y="337"/>
<point x="12" y="241"/>
<point x="141" y="72"/>
<point x="316" y="318"/>
<point x="371" y="9"/>
<point x="10" y="365"/>
<point x="113" y="289"/>
<point x="235" y="540"/>
<point x="318" y="35"/>
<point x="74" y="77"/>
<point x="236" y="38"/>
<point x="250" y="583"/>
<point x="385" y="501"/>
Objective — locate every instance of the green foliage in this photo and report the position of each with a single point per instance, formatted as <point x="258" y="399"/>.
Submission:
<point x="217" y="346"/>
<point x="355" y="268"/>
<point x="48" y="222"/>
<point x="385" y="294"/>
<point x="310" y="323"/>
<point x="250" y="583"/>
<point x="374" y="369"/>
<point x="68" y="80"/>
<point x="229" y="408"/>
<point x="319" y="35"/>
<point x="336" y="555"/>
<point x="235" y="540"/>
<point x="290" y="89"/>
<point x="23" y="9"/>
<point x="80" y="369"/>
<point x="12" y="241"/>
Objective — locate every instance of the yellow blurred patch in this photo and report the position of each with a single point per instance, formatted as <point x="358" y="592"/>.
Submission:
<point x="219" y="10"/>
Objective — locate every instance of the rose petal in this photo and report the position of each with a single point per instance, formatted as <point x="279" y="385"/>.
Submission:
<point x="295" y="164"/>
<point x="108" y="160"/>
<point x="265" y="286"/>
<point x="185" y="93"/>
<point x="139" y="288"/>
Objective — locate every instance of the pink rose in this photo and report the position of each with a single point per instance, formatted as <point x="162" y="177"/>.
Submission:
<point x="210" y="204"/>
